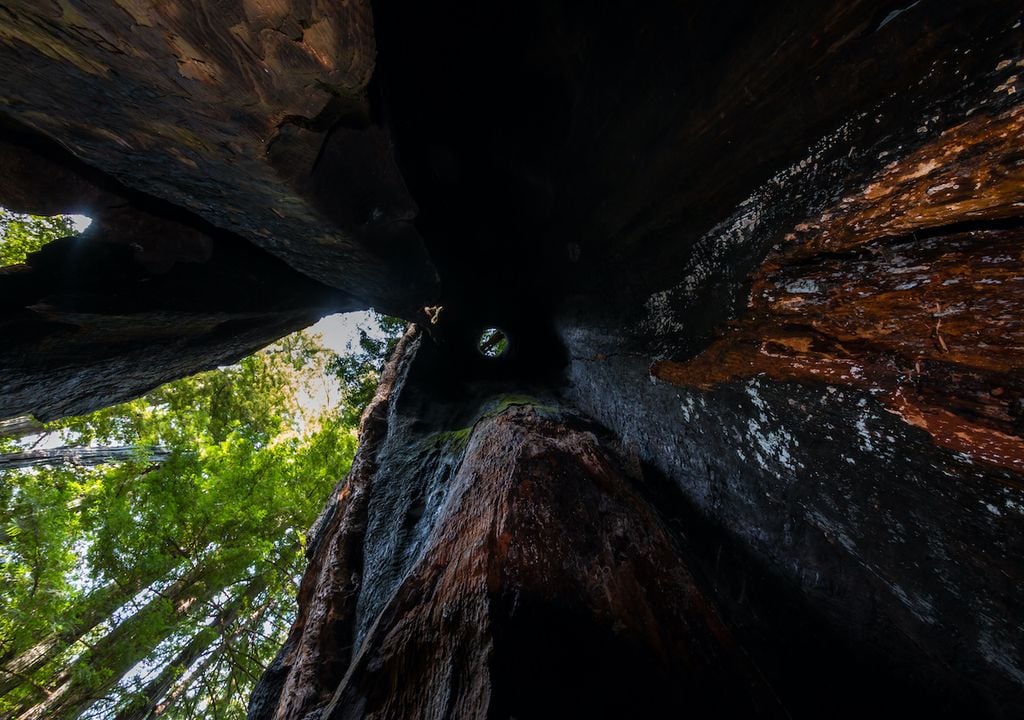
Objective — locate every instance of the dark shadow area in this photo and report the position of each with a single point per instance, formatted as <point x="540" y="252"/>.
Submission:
<point x="814" y="666"/>
<point x="148" y="293"/>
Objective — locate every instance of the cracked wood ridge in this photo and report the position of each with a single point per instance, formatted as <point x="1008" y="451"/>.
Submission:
<point x="909" y="289"/>
<point x="507" y="593"/>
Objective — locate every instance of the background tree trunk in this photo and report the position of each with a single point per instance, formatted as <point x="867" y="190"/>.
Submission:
<point x="84" y="456"/>
<point x="19" y="427"/>
<point x="218" y="632"/>
<point x="101" y="605"/>
<point x="71" y="693"/>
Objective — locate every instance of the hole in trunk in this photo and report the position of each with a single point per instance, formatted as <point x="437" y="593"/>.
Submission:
<point x="493" y="343"/>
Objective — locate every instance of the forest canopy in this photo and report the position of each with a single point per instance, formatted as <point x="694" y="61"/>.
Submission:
<point x="21" y="235"/>
<point x="150" y="552"/>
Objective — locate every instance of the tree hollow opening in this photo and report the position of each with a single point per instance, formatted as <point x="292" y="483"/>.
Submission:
<point x="493" y="343"/>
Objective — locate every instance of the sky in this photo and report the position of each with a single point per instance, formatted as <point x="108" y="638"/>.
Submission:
<point x="339" y="333"/>
<point x="80" y="222"/>
<point x="339" y="330"/>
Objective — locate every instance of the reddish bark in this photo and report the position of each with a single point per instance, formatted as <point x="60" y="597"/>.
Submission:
<point x="910" y="288"/>
<point x="546" y="585"/>
<point x="318" y="650"/>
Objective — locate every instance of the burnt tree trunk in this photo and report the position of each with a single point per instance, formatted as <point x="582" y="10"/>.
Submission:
<point x="529" y="578"/>
<point x="756" y="444"/>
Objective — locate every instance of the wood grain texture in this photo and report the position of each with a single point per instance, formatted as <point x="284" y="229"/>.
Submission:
<point x="547" y="587"/>
<point x="182" y="100"/>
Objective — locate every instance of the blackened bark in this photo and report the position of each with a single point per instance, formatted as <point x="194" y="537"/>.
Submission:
<point x="533" y="579"/>
<point x="772" y="248"/>
<point x="225" y="110"/>
<point x="146" y="295"/>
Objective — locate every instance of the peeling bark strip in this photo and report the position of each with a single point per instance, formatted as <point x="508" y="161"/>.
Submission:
<point x="546" y="586"/>
<point x="318" y="650"/>
<point x="910" y="289"/>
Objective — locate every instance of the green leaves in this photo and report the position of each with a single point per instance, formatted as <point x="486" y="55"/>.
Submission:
<point x="115" y="574"/>
<point x="359" y="370"/>
<point x="168" y="579"/>
<point x="21" y="235"/>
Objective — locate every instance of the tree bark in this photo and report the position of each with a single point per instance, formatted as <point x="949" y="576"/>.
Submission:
<point x="538" y="581"/>
<point x="257" y="99"/>
<point x="759" y="268"/>
<point x="19" y="427"/>
<point x="83" y="456"/>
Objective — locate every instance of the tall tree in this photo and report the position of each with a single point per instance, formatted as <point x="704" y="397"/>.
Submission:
<point x="160" y="581"/>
